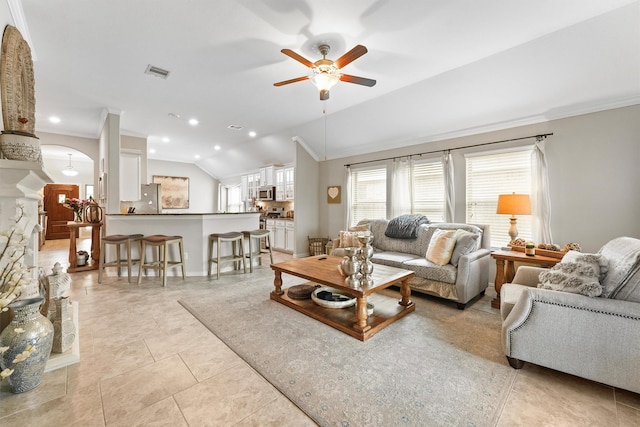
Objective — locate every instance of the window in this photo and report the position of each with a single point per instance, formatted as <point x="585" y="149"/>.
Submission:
<point x="234" y="201"/>
<point x="493" y="173"/>
<point x="428" y="189"/>
<point x="368" y="194"/>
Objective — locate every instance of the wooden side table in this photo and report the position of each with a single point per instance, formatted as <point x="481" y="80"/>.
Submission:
<point x="504" y="274"/>
<point x="95" y="246"/>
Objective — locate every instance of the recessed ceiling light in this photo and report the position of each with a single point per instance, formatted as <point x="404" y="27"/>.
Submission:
<point x="216" y="147"/>
<point x="252" y="134"/>
<point x="165" y="139"/>
<point x="152" y="151"/>
<point x="193" y="122"/>
<point x="54" y="119"/>
<point x="197" y="156"/>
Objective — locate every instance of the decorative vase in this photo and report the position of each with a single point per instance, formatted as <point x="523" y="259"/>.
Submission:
<point x="364" y="256"/>
<point x="29" y="334"/>
<point x="77" y="216"/>
<point x="64" y="330"/>
<point x="53" y="286"/>
<point x="93" y="214"/>
<point x="15" y="146"/>
<point x="351" y="267"/>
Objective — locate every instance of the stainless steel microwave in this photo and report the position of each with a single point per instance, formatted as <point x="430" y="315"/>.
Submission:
<point x="267" y="193"/>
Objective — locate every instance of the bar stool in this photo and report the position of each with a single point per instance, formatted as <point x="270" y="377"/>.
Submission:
<point x="258" y="235"/>
<point x="118" y="240"/>
<point x="236" y="256"/>
<point x="161" y="242"/>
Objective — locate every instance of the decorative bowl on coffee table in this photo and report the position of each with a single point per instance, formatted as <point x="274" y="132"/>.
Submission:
<point x="339" y="299"/>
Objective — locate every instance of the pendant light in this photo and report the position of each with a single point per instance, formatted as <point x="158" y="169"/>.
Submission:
<point x="70" y="171"/>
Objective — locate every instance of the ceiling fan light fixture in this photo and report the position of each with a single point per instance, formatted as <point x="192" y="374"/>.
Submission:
<point x="325" y="80"/>
<point x="70" y="171"/>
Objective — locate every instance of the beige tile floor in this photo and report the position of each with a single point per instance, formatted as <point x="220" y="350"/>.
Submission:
<point x="170" y="370"/>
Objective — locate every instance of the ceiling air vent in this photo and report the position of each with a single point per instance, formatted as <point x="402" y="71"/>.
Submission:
<point x="156" y="71"/>
<point x="234" y="127"/>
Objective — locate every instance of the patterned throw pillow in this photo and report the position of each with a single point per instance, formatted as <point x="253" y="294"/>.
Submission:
<point x="466" y="243"/>
<point x="441" y="246"/>
<point x="577" y="274"/>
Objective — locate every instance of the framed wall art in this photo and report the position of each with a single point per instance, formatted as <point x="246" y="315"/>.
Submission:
<point x="334" y="194"/>
<point x="175" y="191"/>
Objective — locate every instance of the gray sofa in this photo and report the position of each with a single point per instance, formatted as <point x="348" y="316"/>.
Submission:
<point x="597" y="338"/>
<point x="461" y="280"/>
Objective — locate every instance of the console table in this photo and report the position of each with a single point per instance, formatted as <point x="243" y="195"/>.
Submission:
<point x="95" y="246"/>
<point x="505" y="274"/>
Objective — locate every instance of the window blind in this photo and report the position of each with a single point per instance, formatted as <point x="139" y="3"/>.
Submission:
<point x="428" y="189"/>
<point x="493" y="173"/>
<point x="368" y="194"/>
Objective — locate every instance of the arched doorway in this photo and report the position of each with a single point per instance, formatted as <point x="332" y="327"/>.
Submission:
<point x="58" y="160"/>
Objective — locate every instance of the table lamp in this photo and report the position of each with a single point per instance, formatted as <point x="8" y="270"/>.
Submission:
<point x="514" y="204"/>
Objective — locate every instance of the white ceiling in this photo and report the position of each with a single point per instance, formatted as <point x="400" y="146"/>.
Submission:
<point x="444" y="68"/>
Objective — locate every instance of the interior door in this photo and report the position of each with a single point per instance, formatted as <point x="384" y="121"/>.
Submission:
<point x="58" y="215"/>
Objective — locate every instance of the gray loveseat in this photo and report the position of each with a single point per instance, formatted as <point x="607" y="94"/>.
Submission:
<point x="597" y="338"/>
<point x="461" y="280"/>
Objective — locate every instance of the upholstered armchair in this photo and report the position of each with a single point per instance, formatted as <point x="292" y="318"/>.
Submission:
<point x="594" y="337"/>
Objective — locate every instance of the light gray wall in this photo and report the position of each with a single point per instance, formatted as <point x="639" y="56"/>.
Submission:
<point x="203" y="189"/>
<point x="307" y="219"/>
<point x="593" y="170"/>
<point x="88" y="171"/>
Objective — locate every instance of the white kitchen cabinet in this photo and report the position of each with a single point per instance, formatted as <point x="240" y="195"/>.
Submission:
<point x="249" y="186"/>
<point x="279" y="183"/>
<point x="289" y="181"/>
<point x="280" y="235"/>
<point x="244" y="187"/>
<point x="267" y="175"/>
<point x="289" y="237"/>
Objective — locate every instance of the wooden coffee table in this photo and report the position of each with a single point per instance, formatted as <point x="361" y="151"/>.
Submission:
<point x="323" y="269"/>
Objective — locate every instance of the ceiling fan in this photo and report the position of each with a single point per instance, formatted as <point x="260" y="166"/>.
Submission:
<point x="326" y="73"/>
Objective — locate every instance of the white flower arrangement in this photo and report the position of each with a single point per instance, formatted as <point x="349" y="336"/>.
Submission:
<point x="14" y="275"/>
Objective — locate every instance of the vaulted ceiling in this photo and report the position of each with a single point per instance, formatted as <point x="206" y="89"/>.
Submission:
<point x="443" y="68"/>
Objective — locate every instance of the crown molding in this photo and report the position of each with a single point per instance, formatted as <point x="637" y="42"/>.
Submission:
<point x="20" y="21"/>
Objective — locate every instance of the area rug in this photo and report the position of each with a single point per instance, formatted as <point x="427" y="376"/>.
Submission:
<point x="437" y="366"/>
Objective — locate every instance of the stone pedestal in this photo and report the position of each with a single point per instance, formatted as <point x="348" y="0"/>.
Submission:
<point x="20" y="182"/>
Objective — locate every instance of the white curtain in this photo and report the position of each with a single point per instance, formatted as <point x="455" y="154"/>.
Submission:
<point x="449" y="190"/>
<point x="540" y="198"/>
<point x="347" y="202"/>
<point x="401" y="187"/>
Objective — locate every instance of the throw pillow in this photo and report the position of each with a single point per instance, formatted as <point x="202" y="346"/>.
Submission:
<point x="441" y="246"/>
<point x="466" y="242"/>
<point x="349" y="239"/>
<point x="579" y="274"/>
<point x="405" y="226"/>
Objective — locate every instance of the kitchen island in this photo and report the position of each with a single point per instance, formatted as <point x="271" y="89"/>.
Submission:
<point x="194" y="229"/>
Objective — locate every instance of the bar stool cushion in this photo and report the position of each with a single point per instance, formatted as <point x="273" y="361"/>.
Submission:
<point x="256" y="233"/>
<point x="226" y="236"/>
<point x="160" y="238"/>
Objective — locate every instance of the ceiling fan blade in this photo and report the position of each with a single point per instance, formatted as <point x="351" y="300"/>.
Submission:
<point x="357" y="80"/>
<point x="324" y="95"/>
<point x="286" y="82"/>
<point x="300" y="59"/>
<point x="350" y="56"/>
